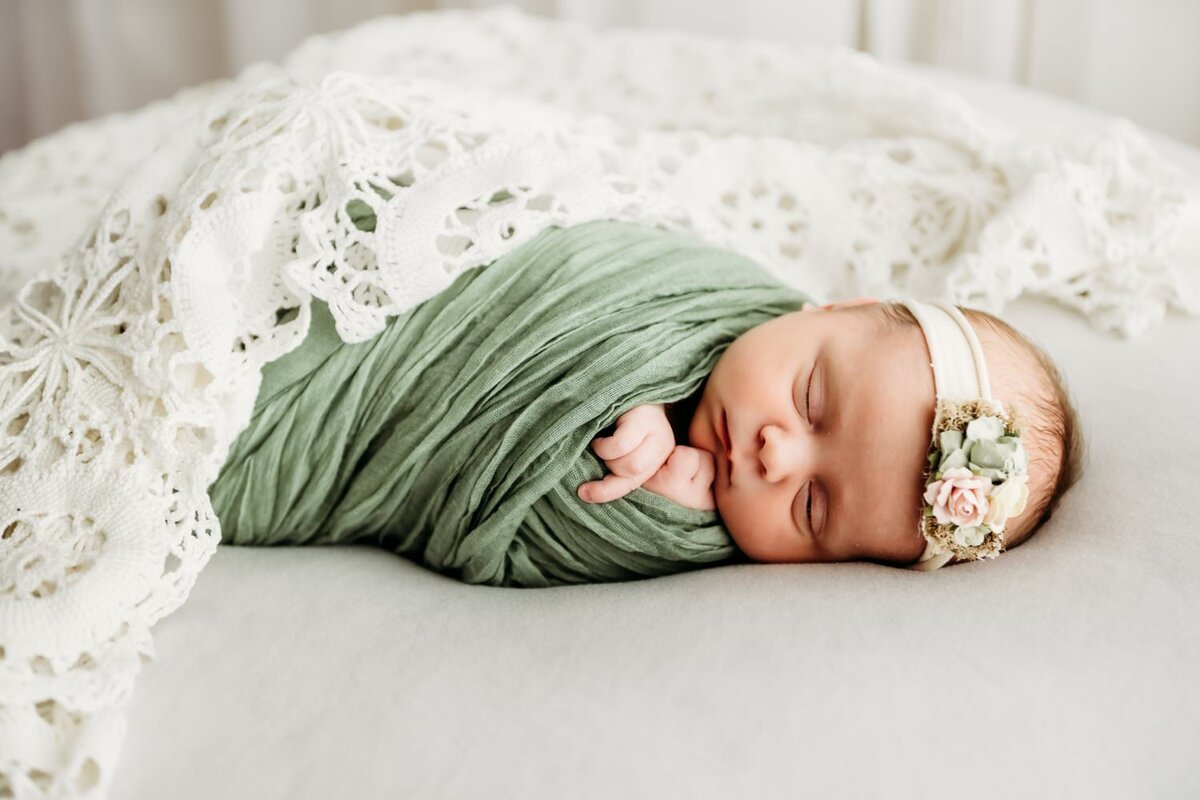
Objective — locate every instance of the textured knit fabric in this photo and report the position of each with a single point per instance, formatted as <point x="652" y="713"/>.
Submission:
<point x="459" y="435"/>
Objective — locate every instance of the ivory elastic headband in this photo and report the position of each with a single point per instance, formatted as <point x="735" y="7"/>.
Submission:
<point x="959" y="369"/>
<point x="976" y="475"/>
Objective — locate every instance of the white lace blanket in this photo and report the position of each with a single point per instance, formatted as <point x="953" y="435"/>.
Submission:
<point x="146" y="261"/>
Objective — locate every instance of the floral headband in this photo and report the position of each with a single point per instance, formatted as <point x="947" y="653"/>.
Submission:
<point x="976" y="476"/>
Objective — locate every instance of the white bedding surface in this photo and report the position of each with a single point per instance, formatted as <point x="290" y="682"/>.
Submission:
<point x="1067" y="667"/>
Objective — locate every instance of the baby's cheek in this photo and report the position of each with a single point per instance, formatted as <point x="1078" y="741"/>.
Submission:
<point x="758" y="528"/>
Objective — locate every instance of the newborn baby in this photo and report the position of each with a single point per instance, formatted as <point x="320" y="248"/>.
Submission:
<point x="746" y="424"/>
<point x="811" y="437"/>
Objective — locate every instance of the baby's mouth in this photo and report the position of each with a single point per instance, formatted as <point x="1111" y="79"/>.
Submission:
<point x="722" y="431"/>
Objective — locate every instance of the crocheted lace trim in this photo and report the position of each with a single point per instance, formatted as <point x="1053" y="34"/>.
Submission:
<point x="150" y="264"/>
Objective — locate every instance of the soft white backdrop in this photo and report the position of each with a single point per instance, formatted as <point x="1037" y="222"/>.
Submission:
<point x="64" y="60"/>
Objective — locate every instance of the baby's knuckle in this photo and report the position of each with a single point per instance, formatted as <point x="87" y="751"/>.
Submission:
<point x="642" y="461"/>
<point x="618" y="468"/>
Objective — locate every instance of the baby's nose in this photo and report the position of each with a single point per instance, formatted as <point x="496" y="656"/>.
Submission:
<point x="782" y="453"/>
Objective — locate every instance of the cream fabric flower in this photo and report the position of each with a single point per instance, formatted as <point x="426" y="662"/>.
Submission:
<point x="1007" y="500"/>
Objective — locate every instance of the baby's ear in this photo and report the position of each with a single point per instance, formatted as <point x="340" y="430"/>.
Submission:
<point x="856" y="301"/>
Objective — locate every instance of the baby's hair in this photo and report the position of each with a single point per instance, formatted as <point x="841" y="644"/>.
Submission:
<point x="1047" y="413"/>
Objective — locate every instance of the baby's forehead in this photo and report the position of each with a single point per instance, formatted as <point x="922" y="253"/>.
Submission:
<point x="868" y="325"/>
<point x="887" y="377"/>
<point x="882" y="385"/>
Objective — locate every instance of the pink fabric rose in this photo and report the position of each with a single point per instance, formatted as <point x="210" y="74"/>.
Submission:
<point x="959" y="498"/>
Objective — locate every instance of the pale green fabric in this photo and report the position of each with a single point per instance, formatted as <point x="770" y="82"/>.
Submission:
<point x="458" y="435"/>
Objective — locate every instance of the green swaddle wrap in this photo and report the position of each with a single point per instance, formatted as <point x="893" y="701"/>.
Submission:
<point x="459" y="435"/>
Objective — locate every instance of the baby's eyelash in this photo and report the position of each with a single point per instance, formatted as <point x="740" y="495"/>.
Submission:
<point x="807" y="392"/>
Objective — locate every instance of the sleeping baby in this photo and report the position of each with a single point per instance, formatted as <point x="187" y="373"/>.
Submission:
<point x="812" y="438"/>
<point x="746" y="424"/>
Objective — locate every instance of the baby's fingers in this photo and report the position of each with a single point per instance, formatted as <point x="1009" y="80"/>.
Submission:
<point x="706" y="468"/>
<point x="621" y="445"/>
<point x="611" y="487"/>
<point x="632" y="429"/>
<point x="682" y="462"/>
<point x="691" y="463"/>
<point x="643" y="461"/>
<point x="686" y="478"/>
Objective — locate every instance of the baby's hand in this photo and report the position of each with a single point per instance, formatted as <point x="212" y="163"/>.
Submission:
<point x="687" y="478"/>
<point x="640" y="445"/>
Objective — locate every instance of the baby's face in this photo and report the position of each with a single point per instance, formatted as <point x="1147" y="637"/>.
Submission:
<point x="828" y="414"/>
